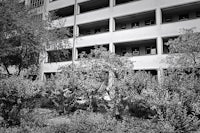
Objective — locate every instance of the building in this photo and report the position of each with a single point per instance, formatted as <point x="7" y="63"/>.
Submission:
<point x="138" y="27"/>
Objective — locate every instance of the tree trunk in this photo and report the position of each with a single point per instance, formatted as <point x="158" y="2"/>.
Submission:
<point x="6" y="67"/>
<point x="19" y="69"/>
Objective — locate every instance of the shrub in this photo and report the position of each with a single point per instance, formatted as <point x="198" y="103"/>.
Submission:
<point x="88" y="122"/>
<point x="14" y="94"/>
<point x="102" y="74"/>
<point x="175" y="101"/>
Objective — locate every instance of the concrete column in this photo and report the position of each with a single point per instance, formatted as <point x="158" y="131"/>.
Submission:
<point x="41" y="75"/>
<point x="112" y="3"/>
<point x="76" y="54"/>
<point x="159" y="43"/>
<point x="158" y="16"/>
<point x="160" y="75"/>
<point x="111" y="29"/>
<point x="46" y="57"/>
<point x="111" y="47"/>
<point x="46" y="10"/>
<point x="111" y="24"/>
<point x="77" y="31"/>
<point x="78" y="9"/>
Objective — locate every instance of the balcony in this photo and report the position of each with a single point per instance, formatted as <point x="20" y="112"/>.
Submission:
<point x="62" y="12"/>
<point x="52" y="0"/>
<point x="94" y="28"/>
<point x="93" y="5"/>
<point x="135" y="20"/>
<point x="54" y="66"/>
<point x="149" y="62"/>
<point x="173" y="29"/>
<point x="36" y="3"/>
<point x="136" y="48"/>
<point x="152" y="72"/>
<point x="62" y="33"/>
<point x="117" y="2"/>
<point x="84" y="51"/>
<point x="140" y="63"/>
<point x="49" y="75"/>
<point x="59" y="55"/>
<point x="181" y="13"/>
<point x="165" y="46"/>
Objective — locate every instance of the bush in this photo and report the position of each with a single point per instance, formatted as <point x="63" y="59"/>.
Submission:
<point x="108" y="75"/>
<point x="175" y="101"/>
<point x="15" y="92"/>
<point x="135" y="102"/>
<point x="88" y="122"/>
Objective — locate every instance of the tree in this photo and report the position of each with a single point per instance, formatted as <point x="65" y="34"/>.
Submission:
<point x="90" y="80"/>
<point x="178" y="98"/>
<point x="22" y="35"/>
<point x="185" y="49"/>
<point x="104" y="82"/>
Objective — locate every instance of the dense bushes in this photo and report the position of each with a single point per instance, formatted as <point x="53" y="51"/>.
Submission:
<point x="102" y="94"/>
<point x="88" y="122"/>
<point x="152" y="109"/>
<point x="15" y="94"/>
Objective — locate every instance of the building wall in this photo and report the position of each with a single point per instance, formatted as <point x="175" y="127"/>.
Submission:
<point x="156" y="31"/>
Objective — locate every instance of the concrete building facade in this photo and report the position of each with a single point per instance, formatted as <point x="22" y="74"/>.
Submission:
<point x="137" y="27"/>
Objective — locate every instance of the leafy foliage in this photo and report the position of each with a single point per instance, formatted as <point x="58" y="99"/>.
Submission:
<point x="188" y="47"/>
<point x="15" y="93"/>
<point x="22" y="37"/>
<point x="180" y="87"/>
<point x="114" y="97"/>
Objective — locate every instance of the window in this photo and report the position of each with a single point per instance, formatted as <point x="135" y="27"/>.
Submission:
<point x="36" y="3"/>
<point x="123" y="51"/>
<point x="70" y="31"/>
<point x="107" y="29"/>
<point x="62" y="12"/>
<point x="135" y="51"/>
<point x="123" y="26"/>
<point x="94" y="27"/>
<point x="91" y="5"/>
<point x="87" y="32"/>
<point x="165" y="49"/>
<point x="124" y="1"/>
<point x="52" y="0"/>
<point x="97" y="30"/>
<point x="135" y="24"/>
<point x="37" y="17"/>
<point x="62" y="33"/>
<point x="183" y="17"/>
<point x="150" y="22"/>
<point x="168" y="19"/>
<point x="198" y="14"/>
<point x="49" y="75"/>
<point x="135" y="20"/>
<point x="59" y="55"/>
<point x="150" y="50"/>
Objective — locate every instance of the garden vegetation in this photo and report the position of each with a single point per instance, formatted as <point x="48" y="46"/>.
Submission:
<point x="101" y="93"/>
